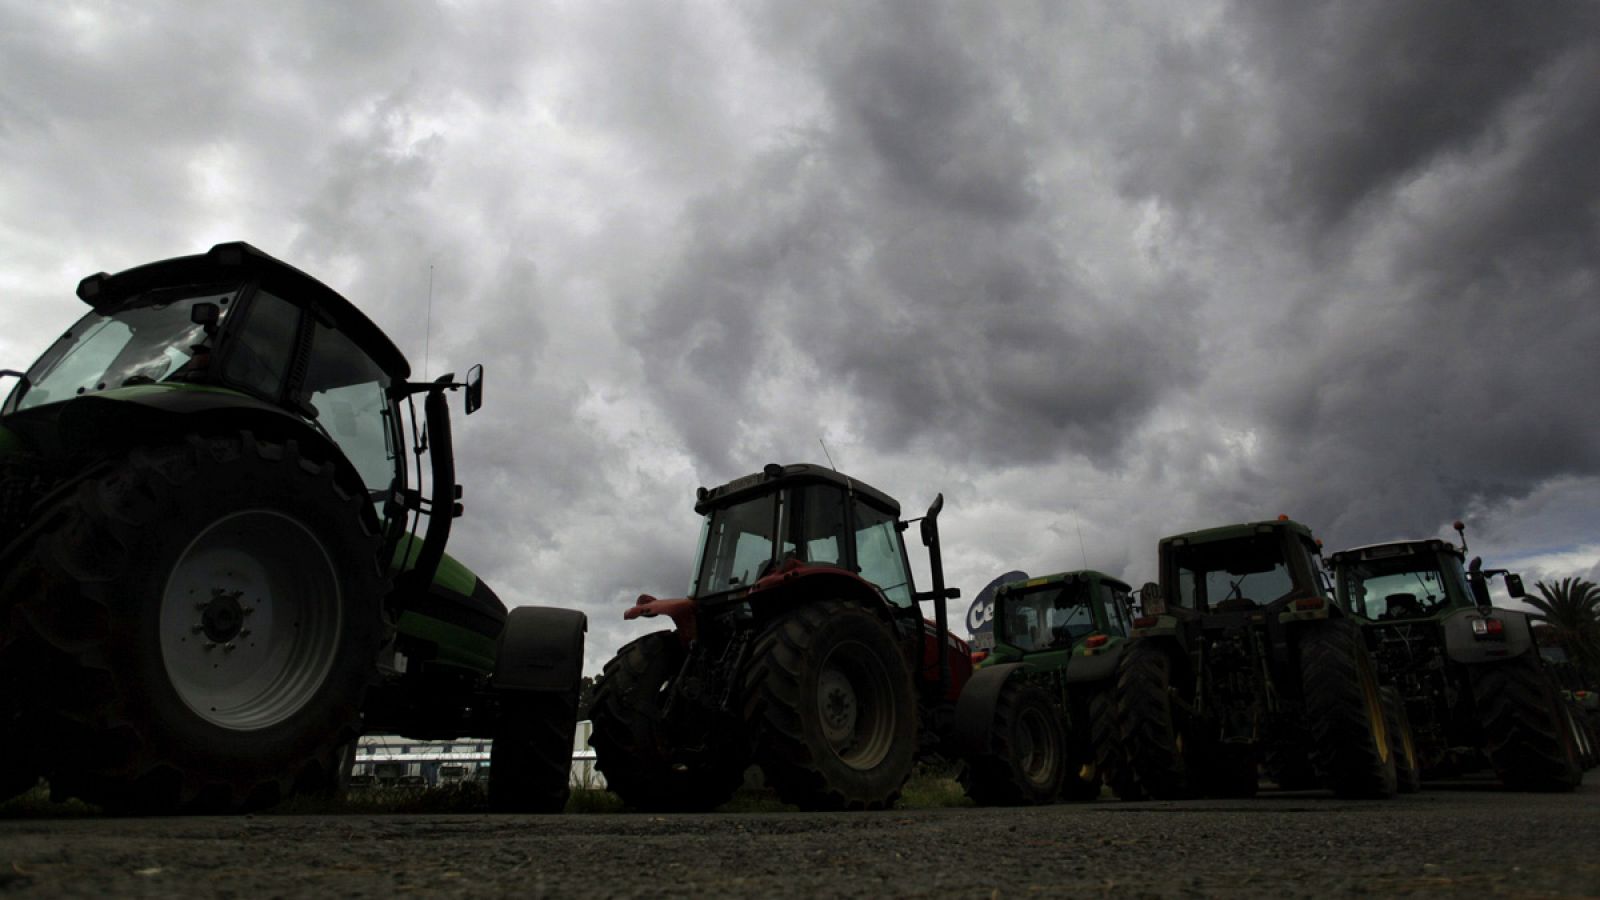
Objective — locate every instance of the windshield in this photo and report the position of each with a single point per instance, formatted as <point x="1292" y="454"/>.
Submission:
<point x="1050" y="617"/>
<point x="150" y="339"/>
<point x="1228" y="575"/>
<point x="1408" y="586"/>
<point x="738" y="540"/>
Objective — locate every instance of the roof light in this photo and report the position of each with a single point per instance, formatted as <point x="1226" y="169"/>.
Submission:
<point x="1283" y="517"/>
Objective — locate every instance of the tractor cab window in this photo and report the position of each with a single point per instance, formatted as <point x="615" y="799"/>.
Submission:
<point x="1407" y="586"/>
<point x="1116" y="602"/>
<point x="149" y="339"/>
<point x="738" y="543"/>
<point x="1231" y="575"/>
<point x="258" y="355"/>
<point x="880" y="555"/>
<point x="1053" y="617"/>
<point x="349" y="394"/>
<point x="814" y="527"/>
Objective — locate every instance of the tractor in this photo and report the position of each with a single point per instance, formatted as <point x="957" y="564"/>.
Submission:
<point x="800" y="647"/>
<point x="1476" y="690"/>
<point x="214" y="571"/>
<point x="1036" y="720"/>
<point x="1246" y="662"/>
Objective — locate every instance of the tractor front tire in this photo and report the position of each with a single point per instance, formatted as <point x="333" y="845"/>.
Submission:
<point x="836" y="716"/>
<point x="1026" y="762"/>
<point x="1525" y="733"/>
<point x="530" y="762"/>
<point x="1344" y="709"/>
<point x="641" y="763"/>
<point x="201" y="624"/>
<point x="1151" y="734"/>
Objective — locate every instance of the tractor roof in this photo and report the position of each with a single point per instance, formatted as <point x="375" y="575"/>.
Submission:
<point x="775" y="476"/>
<point x="1395" y="548"/>
<point x="1233" y="532"/>
<point x="1063" y="578"/>
<point x="238" y="260"/>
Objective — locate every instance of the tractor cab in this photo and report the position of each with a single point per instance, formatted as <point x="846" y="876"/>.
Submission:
<point x="1241" y="568"/>
<point x="1411" y="580"/>
<point x="1058" y="613"/>
<point x="800" y="516"/>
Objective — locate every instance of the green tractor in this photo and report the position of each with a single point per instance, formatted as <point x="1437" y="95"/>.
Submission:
<point x="1247" y="664"/>
<point x="1475" y="687"/>
<point x="1036" y="722"/>
<point x="214" y="574"/>
<point x="800" y="647"/>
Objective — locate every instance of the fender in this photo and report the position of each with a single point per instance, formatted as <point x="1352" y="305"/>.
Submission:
<point x="1463" y="646"/>
<point x="541" y="650"/>
<point x="975" y="709"/>
<point x="1094" y="666"/>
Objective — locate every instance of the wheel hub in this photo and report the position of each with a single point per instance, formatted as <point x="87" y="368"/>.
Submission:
<point x="222" y="619"/>
<point x="836" y="701"/>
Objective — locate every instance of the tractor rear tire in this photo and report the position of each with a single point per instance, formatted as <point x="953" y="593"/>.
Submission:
<point x="1026" y="763"/>
<point x="1526" y="736"/>
<point x="641" y="763"/>
<point x="834" y="708"/>
<point x="1151" y="734"/>
<point x="200" y="625"/>
<point x="1110" y="755"/>
<point x="530" y="761"/>
<point x="1402" y="743"/>
<point x="1344" y="711"/>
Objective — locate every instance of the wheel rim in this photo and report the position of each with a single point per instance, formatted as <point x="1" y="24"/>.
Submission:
<point x="1036" y="747"/>
<point x="855" y="704"/>
<point x="251" y="619"/>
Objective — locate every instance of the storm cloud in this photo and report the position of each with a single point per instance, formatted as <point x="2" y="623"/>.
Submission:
<point x="1096" y="273"/>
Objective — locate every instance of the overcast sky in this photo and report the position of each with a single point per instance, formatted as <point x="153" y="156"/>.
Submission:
<point x="1118" y="269"/>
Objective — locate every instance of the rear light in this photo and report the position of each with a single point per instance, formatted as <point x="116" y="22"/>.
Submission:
<point x="1488" y="628"/>
<point x="1306" y="604"/>
<point x="1146" y="621"/>
<point x="1095" y="640"/>
<point x="979" y="656"/>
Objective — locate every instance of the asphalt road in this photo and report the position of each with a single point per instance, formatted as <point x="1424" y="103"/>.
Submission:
<point x="1467" y="841"/>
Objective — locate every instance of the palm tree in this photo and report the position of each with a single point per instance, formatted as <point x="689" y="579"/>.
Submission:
<point x="1571" y="607"/>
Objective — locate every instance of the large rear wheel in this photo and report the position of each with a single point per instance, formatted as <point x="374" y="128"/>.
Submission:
<point x="1402" y="744"/>
<point x="645" y="761"/>
<point x="530" y="762"/>
<point x="1151" y="735"/>
<point x="1525" y="733"/>
<point x="1350" y="745"/>
<point x="836" y="713"/>
<point x="202" y="623"/>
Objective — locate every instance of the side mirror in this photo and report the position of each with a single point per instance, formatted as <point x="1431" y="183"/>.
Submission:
<point x="206" y="315"/>
<point x="1514" y="585"/>
<point x="474" y="389"/>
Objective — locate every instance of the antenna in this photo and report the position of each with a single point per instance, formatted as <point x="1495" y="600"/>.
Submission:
<point x="427" y="338"/>
<point x="825" y="453"/>
<point x="1081" y="548"/>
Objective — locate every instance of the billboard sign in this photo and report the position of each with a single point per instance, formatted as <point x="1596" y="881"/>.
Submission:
<point x="980" y="615"/>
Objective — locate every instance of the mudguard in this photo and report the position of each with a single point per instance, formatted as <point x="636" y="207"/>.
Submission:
<point x="1463" y="646"/>
<point x="975" y="709"/>
<point x="1091" y="666"/>
<point x="541" y="649"/>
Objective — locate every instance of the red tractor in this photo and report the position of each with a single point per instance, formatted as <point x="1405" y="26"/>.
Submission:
<point x="801" y="647"/>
